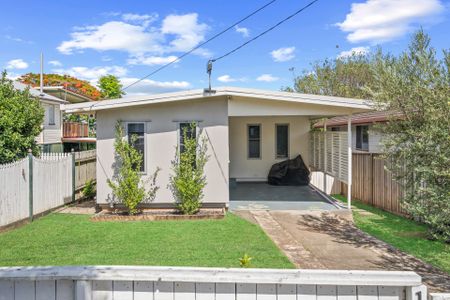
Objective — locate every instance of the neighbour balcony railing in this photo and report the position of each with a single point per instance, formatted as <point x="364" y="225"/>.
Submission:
<point x="75" y="130"/>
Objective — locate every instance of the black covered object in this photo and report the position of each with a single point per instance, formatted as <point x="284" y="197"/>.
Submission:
<point x="289" y="172"/>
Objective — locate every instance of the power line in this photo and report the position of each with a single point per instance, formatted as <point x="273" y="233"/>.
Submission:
<point x="266" y="31"/>
<point x="201" y="44"/>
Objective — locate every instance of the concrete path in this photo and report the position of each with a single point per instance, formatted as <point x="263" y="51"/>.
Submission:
<point x="83" y="208"/>
<point x="323" y="240"/>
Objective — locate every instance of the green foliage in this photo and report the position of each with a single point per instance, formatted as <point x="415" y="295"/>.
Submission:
<point x="128" y="186"/>
<point x="417" y="86"/>
<point x="81" y="87"/>
<point x="342" y="77"/>
<point x="110" y="87"/>
<point x="21" y="117"/>
<point x="89" y="189"/>
<point x="245" y="261"/>
<point x="189" y="178"/>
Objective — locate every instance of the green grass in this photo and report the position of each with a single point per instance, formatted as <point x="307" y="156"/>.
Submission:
<point x="402" y="233"/>
<point x="63" y="239"/>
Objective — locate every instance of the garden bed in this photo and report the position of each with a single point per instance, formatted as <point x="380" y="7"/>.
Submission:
<point x="159" y="215"/>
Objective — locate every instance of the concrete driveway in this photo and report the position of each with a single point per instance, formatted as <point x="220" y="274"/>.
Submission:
<point x="262" y="196"/>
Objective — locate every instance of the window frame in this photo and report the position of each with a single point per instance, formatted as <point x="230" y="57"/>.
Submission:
<point x="197" y="131"/>
<point x="127" y="137"/>
<point x="288" y="141"/>
<point x="51" y="114"/>
<point x="248" y="141"/>
<point x="360" y="135"/>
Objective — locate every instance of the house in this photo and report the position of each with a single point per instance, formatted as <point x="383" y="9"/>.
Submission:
<point x="247" y="131"/>
<point x="366" y="137"/>
<point x="50" y="139"/>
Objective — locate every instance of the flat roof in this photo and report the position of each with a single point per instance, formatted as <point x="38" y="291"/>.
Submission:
<point x="37" y="93"/>
<point x="357" y="104"/>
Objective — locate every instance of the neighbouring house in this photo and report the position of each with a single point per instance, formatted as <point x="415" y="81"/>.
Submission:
<point x="366" y="137"/>
<point x="247" y="131"/>
<point x="50" y="139"/>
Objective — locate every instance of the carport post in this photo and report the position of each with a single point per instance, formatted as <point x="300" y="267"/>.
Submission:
<point x="349" y="162"/>
<point x="325" y="165"/>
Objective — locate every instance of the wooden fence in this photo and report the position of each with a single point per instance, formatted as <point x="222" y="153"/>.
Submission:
<point x="371" y="183"/>
<point x="35" y="185"/>
<point x="174" y="283"/>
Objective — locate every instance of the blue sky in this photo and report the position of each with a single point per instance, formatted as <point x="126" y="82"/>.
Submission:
<point x="129" y="39"/>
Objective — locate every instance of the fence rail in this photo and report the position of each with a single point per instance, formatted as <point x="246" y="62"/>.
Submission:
<point x="158" y="283"/>
<point x="35" y="185"/>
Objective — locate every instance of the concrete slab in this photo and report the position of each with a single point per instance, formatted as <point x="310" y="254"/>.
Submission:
<point x="262" y="196"/>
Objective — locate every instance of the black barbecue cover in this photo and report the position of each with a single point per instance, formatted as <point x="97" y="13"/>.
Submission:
<point x="289" y="172"/>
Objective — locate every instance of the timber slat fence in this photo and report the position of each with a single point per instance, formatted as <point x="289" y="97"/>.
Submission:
<point x="35" y="185"/>
<point x="174" y="283"/>
<point x="371" y="183"/>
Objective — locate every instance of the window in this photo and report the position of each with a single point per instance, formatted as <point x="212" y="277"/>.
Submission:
<point x="282" y="140"/>
<point x="335" y="129"/>
<point x="190" y="133"/>
<point x="51" y="115"/>
<point x="254" y="141"/>
<point x="362" y="138"/>
<point x="137" y="130"/>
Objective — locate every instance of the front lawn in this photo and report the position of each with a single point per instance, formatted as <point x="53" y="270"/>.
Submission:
<point x="63" y="239"/>
<point x="402" y="233"/>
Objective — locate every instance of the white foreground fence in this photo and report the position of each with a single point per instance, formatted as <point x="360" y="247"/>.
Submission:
<point x="35" y="185"/>
<point x="160" y="283"/>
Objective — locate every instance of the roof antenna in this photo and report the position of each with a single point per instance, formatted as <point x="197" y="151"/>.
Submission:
<point x="209" y="67"/>
<point x="41" y="76"/>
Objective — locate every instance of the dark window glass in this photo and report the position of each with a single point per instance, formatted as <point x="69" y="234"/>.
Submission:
<point x="362" y="137"/>
<point x="137" y="130"/>
<point x="254" y="141"/>
<point x="282" y="141"/>
<point x="190" y="133"/>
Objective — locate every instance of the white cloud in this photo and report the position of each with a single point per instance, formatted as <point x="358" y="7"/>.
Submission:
<point x="384" y="20"/>
<point x="151" y="60"/>
<point x="188" y="32"/>
<point x="242" y="30"/>
<point x="92" y="73"/>
<point x="148" y="86"/>
<point x="55" y="63"/>
<point x="19" y="64"/>
<point x="113" y="35"/>
<point x="17" y="39"/>
<point x="283" y="54"/>
<point x="267" y="78"/>
<point x="354" y="51"/>
<point x="228" y="78"/>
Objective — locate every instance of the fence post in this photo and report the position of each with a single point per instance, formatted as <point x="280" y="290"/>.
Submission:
<point x="30" y="184"/>
<point x="73" y="174"/>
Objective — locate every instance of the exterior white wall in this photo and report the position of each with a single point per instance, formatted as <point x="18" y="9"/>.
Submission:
<point x="51" y="134"/>
<point x="375" y="138"/>
<point x="161" y="140"/>
<point x="243" y="168"/>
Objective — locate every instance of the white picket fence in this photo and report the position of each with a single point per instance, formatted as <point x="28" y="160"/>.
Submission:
<point x="161" y="283"/>
<point x="51" y="186"/>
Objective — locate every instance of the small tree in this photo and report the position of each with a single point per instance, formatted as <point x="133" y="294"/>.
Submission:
<point x="21" y="118"/>
<point x="128" y="186"/>
<point x="110" y="87"/>
<point x="188" y="181"/>
<point x="417" y="85"/>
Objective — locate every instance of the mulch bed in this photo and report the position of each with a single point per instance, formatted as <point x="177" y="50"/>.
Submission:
<point x="158" y="215"/>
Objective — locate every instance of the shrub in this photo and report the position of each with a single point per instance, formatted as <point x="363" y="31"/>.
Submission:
<point x="89" y="189"/>
<point x="189" y="178"/>
<point x="128" y="186"/>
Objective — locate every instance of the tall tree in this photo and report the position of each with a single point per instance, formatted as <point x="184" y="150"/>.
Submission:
<point x="417" y="84"/>
<point x="21" y="116"/>
<point x="110" y="87"/>
<point x="342" y="77"/>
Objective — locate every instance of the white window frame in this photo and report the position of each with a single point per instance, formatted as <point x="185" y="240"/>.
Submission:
<point x="260" y="141"/>
<point x="51" y="114"/>
<point x="146" y="125"/>
<point x="197" y="130"/>
<point x="288" y="140"/>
